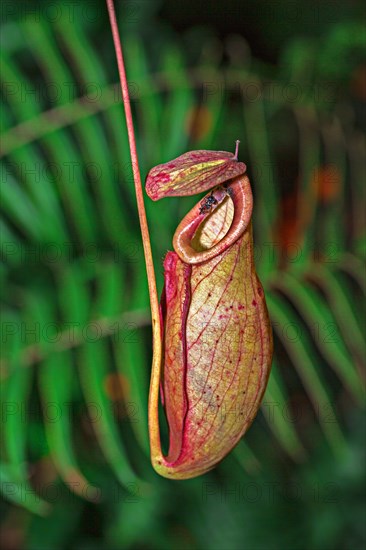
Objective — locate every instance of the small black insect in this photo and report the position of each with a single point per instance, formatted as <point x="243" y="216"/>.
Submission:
<point x="207" y="204"/>
<point x="210" y="201"/>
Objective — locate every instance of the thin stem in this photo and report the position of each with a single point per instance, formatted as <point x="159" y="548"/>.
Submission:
<point x="154" y="303"/>
<point x="134" y="159"/>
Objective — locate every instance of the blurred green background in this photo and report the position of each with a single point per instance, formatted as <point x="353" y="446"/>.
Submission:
<point x="286" y="78"/>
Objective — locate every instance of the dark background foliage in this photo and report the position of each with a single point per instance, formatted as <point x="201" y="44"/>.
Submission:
<point x="286" y="78"/>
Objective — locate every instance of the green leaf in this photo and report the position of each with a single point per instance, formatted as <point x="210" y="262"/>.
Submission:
<point x="16" y="489"/>
<point x="20" y="209"/>
<point x="246" y="457"/>
<point x="93" y="361"/>
<point x="305" y="363"/>
<point x="56" y="402"/>
<point x="174" y="123"/>
<point x="324" y="328"/>
<point x="15" y="390"/>
<point x="340" y="305"/>
<point x="275" y="400"/>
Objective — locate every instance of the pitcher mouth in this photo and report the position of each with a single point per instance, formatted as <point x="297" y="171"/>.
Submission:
<point x="214" y="223"/>
<point x="217" y="222"/>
